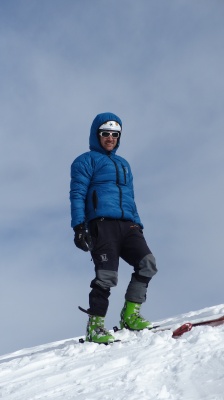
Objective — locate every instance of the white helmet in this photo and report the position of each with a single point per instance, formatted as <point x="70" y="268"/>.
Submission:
<point x="111" y="126"/>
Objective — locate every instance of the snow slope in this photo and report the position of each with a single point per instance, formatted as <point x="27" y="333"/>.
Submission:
<point x="144" y="366"/>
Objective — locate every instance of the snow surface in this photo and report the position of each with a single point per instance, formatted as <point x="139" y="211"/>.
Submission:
<point x="145" y="365"/>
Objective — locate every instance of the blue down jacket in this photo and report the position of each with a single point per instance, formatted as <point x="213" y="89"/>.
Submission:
<point x="101" y="182"/>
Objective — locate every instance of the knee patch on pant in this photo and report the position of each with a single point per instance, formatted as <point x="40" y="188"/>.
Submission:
<point x="106" y="279"/>
<point x="147" y="266"/>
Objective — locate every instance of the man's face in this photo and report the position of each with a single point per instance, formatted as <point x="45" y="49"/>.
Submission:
<point x="108" y="143"/>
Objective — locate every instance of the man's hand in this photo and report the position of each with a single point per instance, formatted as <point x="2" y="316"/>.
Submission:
<point x="82" y="238"/>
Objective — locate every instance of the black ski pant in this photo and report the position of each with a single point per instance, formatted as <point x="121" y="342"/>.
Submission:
<point x="113" y="239"/>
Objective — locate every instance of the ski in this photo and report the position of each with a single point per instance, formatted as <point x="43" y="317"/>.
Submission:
<point x="116" y="329"/>
<point x="176" y="333"/>
<point x="189" y="325"/>
<point x="186" y="327"/>
<point x="105" y="343"/>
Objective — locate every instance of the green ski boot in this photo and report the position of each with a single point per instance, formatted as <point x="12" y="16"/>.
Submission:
<point x="96" y="332"/>
<point x="131" y="318"/>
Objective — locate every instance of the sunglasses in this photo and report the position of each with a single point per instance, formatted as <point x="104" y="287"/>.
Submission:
<point x="108" y="133"/>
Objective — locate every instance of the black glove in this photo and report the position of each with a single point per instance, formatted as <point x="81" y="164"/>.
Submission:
<point x="82" y="238"/>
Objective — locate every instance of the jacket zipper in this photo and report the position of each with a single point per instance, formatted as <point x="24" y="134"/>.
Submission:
<point x="118" y="185"/>
<point x="125" y="175"/>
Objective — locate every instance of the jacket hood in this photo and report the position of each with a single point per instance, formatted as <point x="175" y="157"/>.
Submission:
<point x="94" y="143"/>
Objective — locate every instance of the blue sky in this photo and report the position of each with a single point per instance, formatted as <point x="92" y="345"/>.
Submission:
<point x="159" y="66"/>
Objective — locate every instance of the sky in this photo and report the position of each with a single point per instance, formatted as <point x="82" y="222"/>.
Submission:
<point x="159" y="66"/>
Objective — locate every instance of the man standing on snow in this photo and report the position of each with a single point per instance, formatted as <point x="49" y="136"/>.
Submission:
<point x="106" y="222"/>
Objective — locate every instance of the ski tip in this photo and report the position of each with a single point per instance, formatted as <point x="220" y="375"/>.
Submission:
<point x="83" y="310"/>
<point x="182" y="329"/>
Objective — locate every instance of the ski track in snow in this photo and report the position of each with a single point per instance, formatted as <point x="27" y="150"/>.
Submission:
<point x="145" y="365"/>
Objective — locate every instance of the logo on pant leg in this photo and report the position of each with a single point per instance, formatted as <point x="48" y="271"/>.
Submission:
<point x="103" y="257"/>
